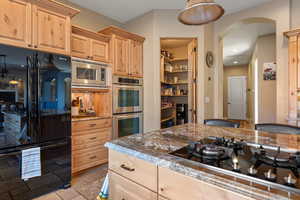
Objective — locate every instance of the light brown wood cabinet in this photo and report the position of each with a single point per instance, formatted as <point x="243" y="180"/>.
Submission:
<point x="15" y="23"/>
<point x="126" y="52"/>
<point x="89" y="45"/>
<point x="42" y="25"/>
<point x="175" y="186"/>
<point x="294" y="75"/>
<point x="124" y="189"/>
<point x="136" y="59"/>
<point x="80" y="46"/>
<point x="88" y="139"/>
<point x="135" y="169"/>
<point x="121" y="56"/>
<point x="51" y="31"/>
<point x="132" y="178"/>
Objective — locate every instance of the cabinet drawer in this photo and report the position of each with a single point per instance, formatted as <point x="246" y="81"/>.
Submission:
<point x="137" y="170"/>
<point x="190" y="188"/>
<point x="91" y="124"/>
<point x="91" y="138"/>
<point x="87" y="158"/>
<point x="121" y="188"/>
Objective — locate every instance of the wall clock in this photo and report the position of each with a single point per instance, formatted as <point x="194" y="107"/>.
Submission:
<point x="209" y="59"/>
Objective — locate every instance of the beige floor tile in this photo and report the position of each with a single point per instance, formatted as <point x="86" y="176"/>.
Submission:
<point x="67" y="194"/>
<point x="85" y="186"/>
<point x="51" y="196"/>
<point x="79" y="198"/>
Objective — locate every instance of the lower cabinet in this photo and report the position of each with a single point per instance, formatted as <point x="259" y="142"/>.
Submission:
<point x="121" y="188"/>
<point x="175" y="186"/>
<point x="88" y="139"/>
<point x="134" y="179"/>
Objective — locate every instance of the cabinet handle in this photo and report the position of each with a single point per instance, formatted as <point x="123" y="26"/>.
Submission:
<point x="127" y="168"/>
<point x="93" y="138"/>
<point x="93" y="157"/>
<point x="35" y="46"/>
<point x="88" y="57"/>
<point x="92" y="125"/>
<point x="29" y="45"/>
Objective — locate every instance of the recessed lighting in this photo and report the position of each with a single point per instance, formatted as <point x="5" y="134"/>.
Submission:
<point x="235" y="62"/>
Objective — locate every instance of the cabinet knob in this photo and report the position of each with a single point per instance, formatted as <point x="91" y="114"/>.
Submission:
<point x="88" y="57"/>
<point x="161" y="189"/>
<point x="35" y="46"/>
<point x="29" y="45"/>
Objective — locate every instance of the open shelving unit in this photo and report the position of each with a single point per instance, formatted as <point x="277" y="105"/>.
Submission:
<point x="176" y="78"/>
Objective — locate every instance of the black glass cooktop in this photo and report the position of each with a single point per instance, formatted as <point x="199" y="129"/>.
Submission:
<point x="256" y="163"/>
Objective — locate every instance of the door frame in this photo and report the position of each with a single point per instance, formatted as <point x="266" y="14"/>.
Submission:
<point x="244" y="96"/>
<point x="194" y="88"/>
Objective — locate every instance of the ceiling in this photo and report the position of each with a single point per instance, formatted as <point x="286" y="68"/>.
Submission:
<point x="124" y="11"/>
<point x="240" y="41"/>
<point x="174" y="43"/>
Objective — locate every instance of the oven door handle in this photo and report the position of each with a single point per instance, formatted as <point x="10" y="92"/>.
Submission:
<point x="128" y="116"/>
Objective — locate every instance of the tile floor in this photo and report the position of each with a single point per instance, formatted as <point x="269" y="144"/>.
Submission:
<point x="85" y="186"/>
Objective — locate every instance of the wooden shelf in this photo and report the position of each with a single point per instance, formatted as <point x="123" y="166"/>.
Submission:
<point x="179" y="83"/>
<point x="167" y="107"/>
<point x="174" y="72"/>
<point x="179" y="59"/>
<point x="174" y="95"/>
<point x="167" y="119"/>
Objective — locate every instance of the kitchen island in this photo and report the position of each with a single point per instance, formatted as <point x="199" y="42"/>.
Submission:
<point x="141" y="166"/>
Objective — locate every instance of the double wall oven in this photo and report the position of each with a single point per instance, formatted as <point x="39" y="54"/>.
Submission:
<point x="127" y="106"/>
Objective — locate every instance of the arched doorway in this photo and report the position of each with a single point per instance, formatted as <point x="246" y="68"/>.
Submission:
<point x="249" y="71"/>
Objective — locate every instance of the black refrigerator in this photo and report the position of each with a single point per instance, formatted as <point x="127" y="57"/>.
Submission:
<point x="35" y="112"/>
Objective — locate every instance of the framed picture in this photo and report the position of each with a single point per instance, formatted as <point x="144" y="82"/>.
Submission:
<point x="269" y="71"/>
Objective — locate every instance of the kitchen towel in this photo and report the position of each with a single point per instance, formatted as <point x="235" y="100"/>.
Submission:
<point x="103" y="195"/>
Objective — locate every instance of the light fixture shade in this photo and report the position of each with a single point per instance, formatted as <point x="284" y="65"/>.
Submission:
<point x="198" y="12"/>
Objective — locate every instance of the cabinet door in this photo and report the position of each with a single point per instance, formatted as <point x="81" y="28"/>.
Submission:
<point x="80" y="46"/>
<point x="15" y="23"/>
<point x="191" y="188"/>
<point x="293" y="77"/>
<point x="51" y="31"/>
<point x="99" y="51"/>
<point x="123" y="189"/>
<point x="136" y="59"/>
<point x="121" y="56"/>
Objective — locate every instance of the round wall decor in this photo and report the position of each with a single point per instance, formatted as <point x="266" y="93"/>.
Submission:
<point x="209" y="59"/>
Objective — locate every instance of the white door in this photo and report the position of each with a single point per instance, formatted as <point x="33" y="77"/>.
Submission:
<point x="237" y="97"/>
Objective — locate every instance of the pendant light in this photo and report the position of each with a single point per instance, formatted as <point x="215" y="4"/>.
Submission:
<point x="199" y="12"/>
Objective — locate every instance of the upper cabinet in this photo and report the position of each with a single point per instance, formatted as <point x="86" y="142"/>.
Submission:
<point x="294" y="75"/>
<point x="121" y="56"/>
<point x="15" y="23"/>
<point x="38" y="24"/>
<point x="87" y="44"/>
<point x="136" y="59"/>
<point x="126" y="52"/>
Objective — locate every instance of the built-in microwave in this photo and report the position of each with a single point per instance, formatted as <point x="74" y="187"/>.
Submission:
<point x="86" y="73"/>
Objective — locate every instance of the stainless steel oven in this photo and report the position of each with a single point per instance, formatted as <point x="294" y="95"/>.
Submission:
<point x="127" y="124"/>
<point x="127" y="95"/>
<point x="88" y="73"/>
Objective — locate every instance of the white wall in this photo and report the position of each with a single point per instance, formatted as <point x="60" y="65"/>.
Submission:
<point x="153" y="26"/>
<point x="295" y="14"/>
<point x="90" y="19"/>
<point x="265" y="52"/>
<point x="279" y="11"/>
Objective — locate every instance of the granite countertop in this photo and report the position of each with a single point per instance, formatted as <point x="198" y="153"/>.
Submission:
<point x="155" y="147"/>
